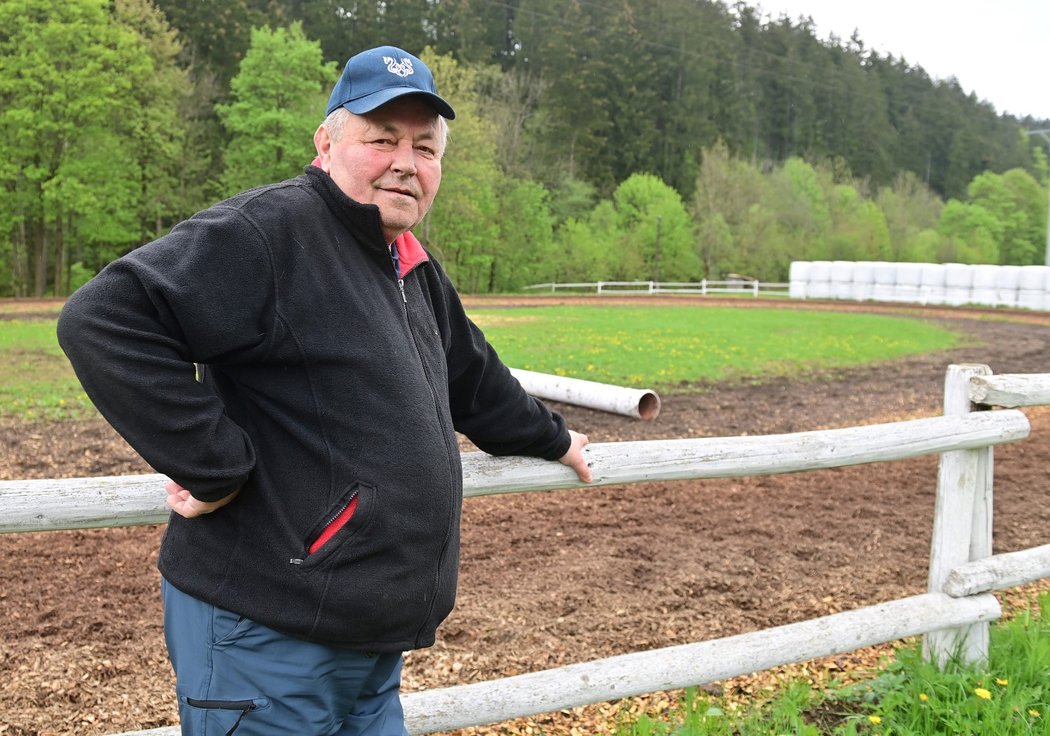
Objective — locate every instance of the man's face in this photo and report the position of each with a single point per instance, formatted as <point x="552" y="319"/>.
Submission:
<point x="390" y="157"/>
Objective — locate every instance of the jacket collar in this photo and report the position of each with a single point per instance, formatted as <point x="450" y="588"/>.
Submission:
<point x="364" y="219"/>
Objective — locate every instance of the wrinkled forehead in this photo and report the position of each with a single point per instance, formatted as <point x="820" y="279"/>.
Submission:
<point x="418" y="122"/>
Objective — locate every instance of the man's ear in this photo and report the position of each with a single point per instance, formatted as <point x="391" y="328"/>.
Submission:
<point x="323" y="145"/>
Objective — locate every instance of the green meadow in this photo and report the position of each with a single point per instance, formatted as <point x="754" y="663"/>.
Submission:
<point x="667" y="348"/>
<point x="676" y="347"/>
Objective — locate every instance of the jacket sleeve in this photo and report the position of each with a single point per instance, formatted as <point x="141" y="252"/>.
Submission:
<point x="134" y="333"/>
<point x="488" y="404"/>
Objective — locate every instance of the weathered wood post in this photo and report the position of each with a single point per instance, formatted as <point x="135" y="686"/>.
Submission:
<point x="962" y="522"/>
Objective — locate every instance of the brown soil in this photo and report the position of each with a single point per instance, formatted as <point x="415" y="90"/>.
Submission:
<point x="550" y="578"/>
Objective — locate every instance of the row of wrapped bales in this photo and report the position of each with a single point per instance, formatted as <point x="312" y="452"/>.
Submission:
<point x="1026" y="287"/>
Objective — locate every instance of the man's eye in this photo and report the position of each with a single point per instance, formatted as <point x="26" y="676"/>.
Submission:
<point x="426" y="150"/>
<point x="385" y="142"/>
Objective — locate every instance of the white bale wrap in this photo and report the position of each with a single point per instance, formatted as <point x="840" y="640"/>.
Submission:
<point x="819" y="282"/>
<point x="1032" y="287"/>
<point x="863" y="281"/>
<point x="1007" y="284"/>
<point x="885" y="280"/>
<point x="985" y="285"/>
<point x="958" y="283"/>
<point x="841" y="279"/>
<point x="909" y="283"/>
<point x="798" y="276"/>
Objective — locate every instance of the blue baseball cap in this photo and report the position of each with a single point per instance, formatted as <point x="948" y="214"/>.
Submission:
<point x="375" y="77"/>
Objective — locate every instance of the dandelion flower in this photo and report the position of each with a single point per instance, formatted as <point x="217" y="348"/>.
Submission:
<point x="1033" y="713"/>
<point x="923" y="697"/>
<point x="875" y="719"/>
<point x="982" y="693"/>
<point x="1001" y="681"/>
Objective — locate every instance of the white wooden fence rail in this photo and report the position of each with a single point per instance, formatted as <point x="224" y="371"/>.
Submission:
<point x="733" y="286"/>
<point x="78" y="503"/>
<point x="955" y="612"/>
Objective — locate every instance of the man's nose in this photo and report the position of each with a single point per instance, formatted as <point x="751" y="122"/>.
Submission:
<point x="404" y="161"/>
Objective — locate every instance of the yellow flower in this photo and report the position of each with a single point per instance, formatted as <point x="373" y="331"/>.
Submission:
<point x="1033" y="712"/>
<point x="923" y="697"/>
<point x="875" y="719"/>
<point x="1001" y="681"/>
<point x="982" y="693"/>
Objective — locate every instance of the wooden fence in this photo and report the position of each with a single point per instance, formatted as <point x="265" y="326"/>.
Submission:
<point x="742" y="286"/>
<point x="953" y="615"/>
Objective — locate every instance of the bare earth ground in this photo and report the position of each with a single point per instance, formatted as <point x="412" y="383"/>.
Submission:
<point x="550" y="578"/>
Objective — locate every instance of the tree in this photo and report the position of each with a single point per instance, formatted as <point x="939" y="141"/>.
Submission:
<point x="525" y="252"/>
<point x="217" y="34"/>
<point x="910" y="208"/>
<point x="159" y="128"/>
<point x="656" y="230"/>
<point x="589" y="247"/>
<point x="969" y="234"/>
<point x="462" y="226"/>
<point x="726" y="191"/>
<point x="279" y="96"/>
<point x="68" y="76"/>
<point x="1018" y="203"/>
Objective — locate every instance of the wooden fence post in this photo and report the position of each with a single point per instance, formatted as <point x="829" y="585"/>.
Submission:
<point x="962" y="522"/>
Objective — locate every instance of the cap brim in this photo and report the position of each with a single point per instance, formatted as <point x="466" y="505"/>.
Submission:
<point x="368" y="103"/>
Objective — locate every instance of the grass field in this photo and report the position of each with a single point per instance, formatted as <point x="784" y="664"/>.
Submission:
<point x="667" y="348"/>
<point x="36" y="380"/>
<point x="672" y="347"/>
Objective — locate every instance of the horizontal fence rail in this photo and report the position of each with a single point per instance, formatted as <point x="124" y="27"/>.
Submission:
<point x="688" y="665"/>
<point x="999" y="572"/>
<point x="704" y="286"/>
<point x="680" y="666"/>
<point x="1010" y="389"/>
<point x="80" y="503"/>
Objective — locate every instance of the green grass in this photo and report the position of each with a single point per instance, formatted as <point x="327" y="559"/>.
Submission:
<point x="667" y="348"/>
<point x="1010" y="696"/>
<point x="36" y="380"/>
<point x="671" y="347"/>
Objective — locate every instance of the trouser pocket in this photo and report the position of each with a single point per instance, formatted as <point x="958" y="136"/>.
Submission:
<point x="225" y="711"/>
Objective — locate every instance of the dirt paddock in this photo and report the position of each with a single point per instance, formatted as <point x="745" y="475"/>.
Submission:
<point x="551" y="578"/>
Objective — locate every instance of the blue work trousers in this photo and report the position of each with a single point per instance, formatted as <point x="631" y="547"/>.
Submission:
<point x="235" y="677"/>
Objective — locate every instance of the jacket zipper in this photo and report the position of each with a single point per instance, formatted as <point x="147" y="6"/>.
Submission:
<point x="337" y="521"/>
<point x="448" y="453"/>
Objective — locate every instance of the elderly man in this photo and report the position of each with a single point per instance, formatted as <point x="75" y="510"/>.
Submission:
<point x="298" y="365"/>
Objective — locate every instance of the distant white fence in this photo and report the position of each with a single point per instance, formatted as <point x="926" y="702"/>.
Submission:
<point x="953" y="284"/>
<point x="745" y="287"/>
<point x="953" y="615"/>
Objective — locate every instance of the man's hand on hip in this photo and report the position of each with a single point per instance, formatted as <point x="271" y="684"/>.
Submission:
<point x="183" y="503"/>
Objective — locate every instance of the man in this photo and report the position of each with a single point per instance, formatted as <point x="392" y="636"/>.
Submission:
<point x="297" y="364"/>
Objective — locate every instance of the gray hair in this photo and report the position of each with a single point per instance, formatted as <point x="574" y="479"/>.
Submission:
<point x="336" y="121"/>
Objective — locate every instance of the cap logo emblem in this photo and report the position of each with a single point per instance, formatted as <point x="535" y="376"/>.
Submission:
<point x="401" y="68"/>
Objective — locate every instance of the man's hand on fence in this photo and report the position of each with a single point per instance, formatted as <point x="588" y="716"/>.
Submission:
<point x="183" y="503"/>
<point x="574" y="457"/>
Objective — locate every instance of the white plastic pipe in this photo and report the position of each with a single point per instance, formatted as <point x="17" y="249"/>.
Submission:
<point x="640" y="403"/>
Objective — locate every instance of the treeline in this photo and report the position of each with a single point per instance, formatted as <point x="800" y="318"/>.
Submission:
<point x="670" y="139"/>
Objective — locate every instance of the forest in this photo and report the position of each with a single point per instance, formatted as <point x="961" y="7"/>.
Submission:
<point x="613" y="139"/>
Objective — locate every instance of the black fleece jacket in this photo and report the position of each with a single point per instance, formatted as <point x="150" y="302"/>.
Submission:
<point x="266" y="344"/>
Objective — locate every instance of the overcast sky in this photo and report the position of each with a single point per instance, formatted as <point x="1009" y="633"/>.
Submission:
<point x="998" y="49"/>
